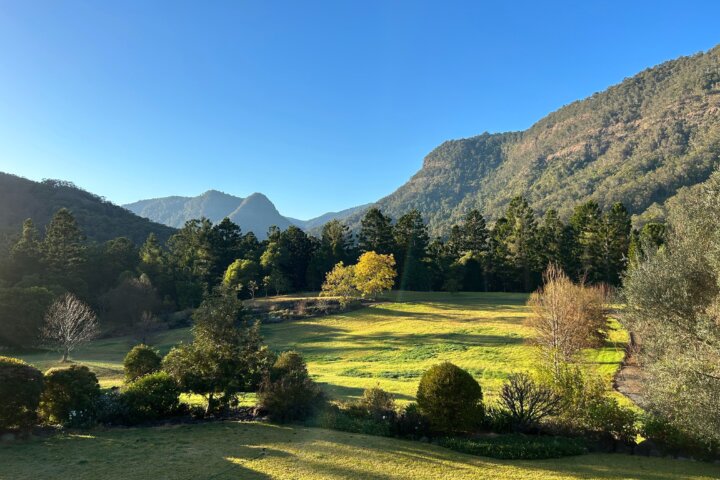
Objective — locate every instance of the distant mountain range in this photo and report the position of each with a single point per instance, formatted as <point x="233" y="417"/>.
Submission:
<point x="255" y="213"/>
<point x="99" y="219"/>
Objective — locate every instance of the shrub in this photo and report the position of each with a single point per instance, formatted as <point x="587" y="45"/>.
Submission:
<point x="377" y="403"/>
<point x="348" y="420"/>
<point x="498" y="420"/>
<point x="20" y="389"/>
<point x="450" y="398"/>
<point x="151" y="397"/>
<point x="411" y="423"/>
<point x="139" y="361"/>
<point x="70" y="396"/>
<point x="111" y="408"/>
<point x="528" y="402"/>
<point x="517" y="447"/>
<point x="607" y="416"/>
<point x="288" y="393"/>
<point x="672" y="440"/>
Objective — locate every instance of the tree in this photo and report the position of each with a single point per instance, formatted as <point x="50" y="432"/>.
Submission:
<point x="340" y="282"/>
<point x="376" y="233"/>
<point x="587" y="225"/>
<point x="123" y="306"/>
<point x="411" y="240"/>
<point x="25" y="254"/>
<point x="522" y="242"/>
<point x="566" y="318"/>
<point x="374" y="274"/>
<point x="673" y="307"/>
<point x="240" y="273"/>
<point x="69" y="323"/>
<point x="141" y="360"/>
<point x="63" y="247"/>
<point x="226" y="356"/>
<point x="616" y="242"/>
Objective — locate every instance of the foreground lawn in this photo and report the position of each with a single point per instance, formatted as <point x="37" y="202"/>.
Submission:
<point x="249" y="451"/>
<point x="391" y="343"/>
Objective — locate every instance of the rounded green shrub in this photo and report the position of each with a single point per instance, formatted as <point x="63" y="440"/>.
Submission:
<point x="450" y="398"/>
<point x="288" y="393"/>
<point x="20" y="389"/>
<point x="151" y="397"/>
<point x="70" y="396"/>
<point x="141" y="360"/>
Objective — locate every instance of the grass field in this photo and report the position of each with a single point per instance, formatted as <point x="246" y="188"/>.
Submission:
<point x="388" y="344"/>
<point x="391" y="343"/>
<point x="252" y="451"/>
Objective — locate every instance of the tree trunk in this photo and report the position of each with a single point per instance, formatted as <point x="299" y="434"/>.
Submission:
<point x="66" y="353"/>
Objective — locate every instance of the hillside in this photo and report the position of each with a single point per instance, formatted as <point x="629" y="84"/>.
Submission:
<point x="99" y="219"/>
<point x="637" y="142"/>
<point x="255" y="213"/>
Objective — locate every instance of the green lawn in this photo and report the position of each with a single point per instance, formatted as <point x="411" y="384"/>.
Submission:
<point x="388" y="344"/>
<point x="249" y="451"/>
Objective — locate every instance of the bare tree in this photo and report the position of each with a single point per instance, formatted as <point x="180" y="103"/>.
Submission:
<point x="566" y="317"/>
<point x="69" y="322"/>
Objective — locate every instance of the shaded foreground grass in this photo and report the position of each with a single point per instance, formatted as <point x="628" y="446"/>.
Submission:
<point x="226" y="450"/>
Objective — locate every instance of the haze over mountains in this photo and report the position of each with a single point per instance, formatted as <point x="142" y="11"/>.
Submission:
<point x="255" y="213"/>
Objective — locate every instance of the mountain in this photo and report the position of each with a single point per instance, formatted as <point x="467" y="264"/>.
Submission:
<point x="637" y="142"/>
<point x="99" y="219"/>
<point x="315" y="224"/>
<point x="255" y="213"/>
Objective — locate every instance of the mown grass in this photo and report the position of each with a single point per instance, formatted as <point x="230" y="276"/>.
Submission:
<point x="389" y="344"/>
<point x="392" y="343"/>
<point x="252" y="451"/>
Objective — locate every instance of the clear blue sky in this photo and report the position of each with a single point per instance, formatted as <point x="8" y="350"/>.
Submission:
<point x="319" y="105"/>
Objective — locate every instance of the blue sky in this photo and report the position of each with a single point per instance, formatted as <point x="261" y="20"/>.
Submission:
<point x="319" y="105"/>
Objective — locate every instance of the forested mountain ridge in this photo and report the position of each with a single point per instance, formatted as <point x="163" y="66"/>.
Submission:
<point x="99" y="219"/>
<point x="637" y="142"/>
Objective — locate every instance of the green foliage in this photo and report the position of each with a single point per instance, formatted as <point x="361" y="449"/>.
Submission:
<point x="288" y="393"/>
<point x="151" y="397"/>
<point x="70" y="396"/>
<point x="20" y="389"/>
<point x="226" y="356"/>
<point x="450" y="398"/>
<point x="141" y="360"/>
<point x="673" y="298"/>
<point x="518" y="447"/>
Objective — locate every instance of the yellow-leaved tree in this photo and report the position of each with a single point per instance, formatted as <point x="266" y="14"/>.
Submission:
<point x="374" y="274"/>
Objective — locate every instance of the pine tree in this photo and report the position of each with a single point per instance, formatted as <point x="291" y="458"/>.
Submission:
<point x="376" y="233"/>
<point x="616" y="242"/>
<point x="63" y="248"/>
<point x="523" y="242"/>
<point x="587" y="226"/>
<point x="25" y="254"/>
<point x="412" y="239"/>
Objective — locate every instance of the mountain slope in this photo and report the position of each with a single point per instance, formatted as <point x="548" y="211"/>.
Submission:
<point x="255" y="213"/>
<point x="99" y="219"/>
<point x="637" y="142"/>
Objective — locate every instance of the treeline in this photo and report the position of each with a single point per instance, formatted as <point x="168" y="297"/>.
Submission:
<point x="136" y="288"/>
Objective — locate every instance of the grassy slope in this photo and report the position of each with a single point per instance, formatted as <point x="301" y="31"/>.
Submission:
<point x="392" y="343"/>
<point x="389" y="344"/>
<point x="257" y="451"/>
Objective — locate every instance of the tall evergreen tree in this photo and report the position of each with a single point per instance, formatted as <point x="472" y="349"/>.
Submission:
<point x="616" y="242"/>
<point x="587" y="226"/>
<point x="63" y="247"/>
<point x="25" y="254"/>
<point x="376" y="233"/>
<point x="523" y="243"/>
<point x="412" y="239"/>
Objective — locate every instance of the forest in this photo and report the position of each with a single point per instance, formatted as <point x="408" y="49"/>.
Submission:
<point x="141" y="286"/>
